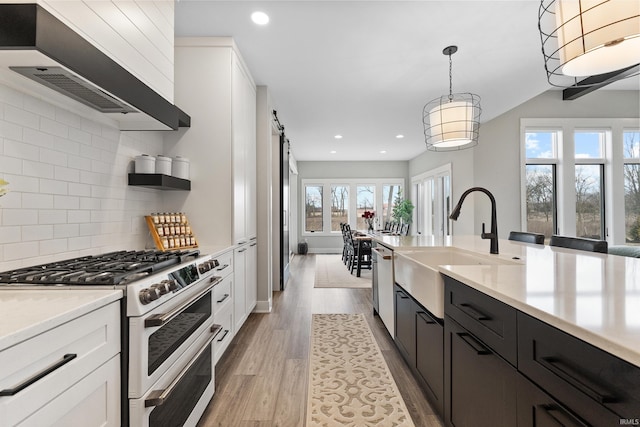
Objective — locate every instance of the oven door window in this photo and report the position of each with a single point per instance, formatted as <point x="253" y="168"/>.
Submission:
<point x="164" y="341"/>
<point x="176" y="409"/>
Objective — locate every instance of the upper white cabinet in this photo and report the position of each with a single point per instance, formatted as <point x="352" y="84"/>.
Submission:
<point x="137" y="34"/>
<point x="215" y="86"/>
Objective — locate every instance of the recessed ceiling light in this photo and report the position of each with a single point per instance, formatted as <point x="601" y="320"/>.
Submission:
<point x="383" y="152"/>
<point x="332" y="152"/>
<point x="400" y="136"/>
<point x="260" y="18"/>
<point x="338" y="137"/>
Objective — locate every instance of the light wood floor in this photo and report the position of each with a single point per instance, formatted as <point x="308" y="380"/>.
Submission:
<point x="261" y="380"/>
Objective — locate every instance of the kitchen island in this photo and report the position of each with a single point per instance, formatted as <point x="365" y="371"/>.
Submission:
<point x="552" y="331"/>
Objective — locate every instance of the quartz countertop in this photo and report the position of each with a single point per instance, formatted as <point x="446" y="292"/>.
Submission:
<point x="27" y="313"/>
<point x="592" y="296"/>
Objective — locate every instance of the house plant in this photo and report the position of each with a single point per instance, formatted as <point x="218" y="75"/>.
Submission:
<point x="402" y="211"/>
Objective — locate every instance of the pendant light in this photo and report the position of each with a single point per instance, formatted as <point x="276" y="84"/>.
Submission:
<point x="451" y="122"/>
<point x="584" y="38"/>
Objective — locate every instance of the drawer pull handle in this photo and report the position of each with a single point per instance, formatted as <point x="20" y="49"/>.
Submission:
<point x="474" y="344"/>
<point x="471" y="311"/>
<point x="38" y="376"/>
<point x="402" y="295"/>
<point x="222" y="267"/>
<point x="425" y="318"/>
<point x="560" y="416"/>
<point x="159" y="397"/>
<point x="226" y="331"/>
<point x="381" y="254"/>
<point x="577" y="380"/>
<point x="223" y="298"/>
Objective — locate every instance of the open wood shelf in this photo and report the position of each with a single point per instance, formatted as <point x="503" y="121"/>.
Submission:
<point x="159" y="181"/>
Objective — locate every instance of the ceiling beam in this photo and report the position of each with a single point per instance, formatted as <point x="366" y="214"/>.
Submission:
<point x="592" y="83"/>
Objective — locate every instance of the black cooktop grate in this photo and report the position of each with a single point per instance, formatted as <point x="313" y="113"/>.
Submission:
<point x="114" y="268"/>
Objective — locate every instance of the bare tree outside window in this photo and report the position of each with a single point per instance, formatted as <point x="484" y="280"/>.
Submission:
<point x="313" y="208"/>
<point x="632" y="188"/>
<point x="389" y="194"/>
<point x="365" y="201"/>
<point x="339" y="206"/>
<point x="540" y="187"/>
<point x="589" y="201"/>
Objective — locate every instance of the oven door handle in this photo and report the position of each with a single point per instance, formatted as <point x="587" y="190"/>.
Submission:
<point x="158" y="397"/>
<point x="162" y="318"/>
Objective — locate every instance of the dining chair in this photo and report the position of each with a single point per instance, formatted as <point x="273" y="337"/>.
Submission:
<point x="579" y="243"/>
<point x="522" y="236"/>
<point x="361" y="255"/>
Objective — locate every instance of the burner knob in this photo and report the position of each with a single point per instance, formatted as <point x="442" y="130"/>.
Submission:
<point x="215" y="263"/>
<point x="148" y="295"/>
<point x="202" y="268"/>
<point x="162" y="287"/>
<point x="172" y="284"/>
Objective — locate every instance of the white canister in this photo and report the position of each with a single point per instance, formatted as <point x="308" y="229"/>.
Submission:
<point x="180" y="167"/>
<point x="145" y="164"/>
<point x="163" y="165"/>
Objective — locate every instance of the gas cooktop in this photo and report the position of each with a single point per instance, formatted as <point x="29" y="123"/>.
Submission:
<point x="114" y="268"/>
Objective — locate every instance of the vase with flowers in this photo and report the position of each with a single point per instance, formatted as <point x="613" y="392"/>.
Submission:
<point x="368" y="218"/>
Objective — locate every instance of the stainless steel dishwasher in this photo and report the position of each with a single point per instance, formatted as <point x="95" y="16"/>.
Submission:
<point x="382" y="282"/>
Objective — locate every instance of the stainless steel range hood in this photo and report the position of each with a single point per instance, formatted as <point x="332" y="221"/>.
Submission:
<point x="41" y="55"/>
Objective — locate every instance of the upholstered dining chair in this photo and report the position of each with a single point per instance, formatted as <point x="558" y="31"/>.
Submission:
<point x="525" y="237"/>
<point x="579" y="243"/>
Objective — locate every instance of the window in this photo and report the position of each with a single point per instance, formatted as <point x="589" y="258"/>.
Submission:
<point x="339" y="206"/>
<point x="631" y="141"/>
<point x="313" y="208"/>
<point x="581" y="177"/>
<point x="432" y="200"/>
<point x="329" y="202"/>
<point x="365" y="201"/>
<point x="540" y="176"/>
<point x="589" y="183"/>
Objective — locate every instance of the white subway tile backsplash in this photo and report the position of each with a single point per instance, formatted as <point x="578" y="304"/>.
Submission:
<point x="48" y="247"/>
<point x="20" y="150"/>
<point x="36" y="137"/>
<point x="66" y="174"/>
<point x="78" y="216"/>
<point x="68" y="193"/>
<point x="10" y="165"/>
<point x="53" y="127"/>
<point x="21" y="117"/>
<point x="50" y="186"/>
<point x="66" y="230"/>
<point x="22" y="250"/>
<point x="37" y="201"/>
<point x="10" y="234"/>
<point x="77" y="189"/>
<point x="52" y="216"/>
<point x="53" y="157"/>
<point x="19" y="217"/>
<point x="36" y="169"/>
<point x="37" y="232"/>
<point x="66" y="202"/>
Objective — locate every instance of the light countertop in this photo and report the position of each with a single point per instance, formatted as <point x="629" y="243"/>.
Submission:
<point x="595" y="297"/>
<point x="27" y="313"/>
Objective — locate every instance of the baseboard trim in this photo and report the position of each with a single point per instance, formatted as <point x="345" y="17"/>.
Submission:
<point x="263" y="307"/>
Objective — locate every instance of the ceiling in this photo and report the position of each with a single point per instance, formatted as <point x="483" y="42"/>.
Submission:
<point x="365" y="69"/>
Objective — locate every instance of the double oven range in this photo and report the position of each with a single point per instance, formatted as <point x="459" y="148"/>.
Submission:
<point x="167" y="329"/>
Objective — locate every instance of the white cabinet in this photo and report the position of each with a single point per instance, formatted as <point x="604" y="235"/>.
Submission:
<point x="245" y="283"/>
<point x="68" y="375"/>
<point x="214" y="85"/>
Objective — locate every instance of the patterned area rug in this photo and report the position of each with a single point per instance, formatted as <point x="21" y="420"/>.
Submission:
<point x="332" y="273"/>
<point x="349" y="381"/>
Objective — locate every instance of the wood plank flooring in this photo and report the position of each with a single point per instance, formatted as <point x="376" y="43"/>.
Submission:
<point x="261" y="381"/>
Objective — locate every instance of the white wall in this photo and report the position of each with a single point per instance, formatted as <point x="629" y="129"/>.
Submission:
<point x="496" y="158"/>
<point x="339" y="170"/>
<point x="68" y="194"/>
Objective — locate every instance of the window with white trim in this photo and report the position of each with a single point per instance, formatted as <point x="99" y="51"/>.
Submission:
<point x="631" y="143"/>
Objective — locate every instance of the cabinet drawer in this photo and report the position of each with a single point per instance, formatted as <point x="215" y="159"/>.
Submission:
<point x="537" y="409"/>
<point x="222" y="296"/>
<point x="576" y="373"/>
<point x="405" y="325"/>
<point x="430" y="357"/>
<point x="487" y="318"/>
<point x="56" y="359"/>
<point x="226" y="264"/>
<point x="223" y="318"/>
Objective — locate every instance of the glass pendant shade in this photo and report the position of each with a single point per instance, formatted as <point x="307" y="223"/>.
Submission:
<point x="582" y="38"/>
<point x="452" y="124"/>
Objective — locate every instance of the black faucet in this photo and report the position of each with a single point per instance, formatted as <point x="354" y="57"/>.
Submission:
<point x="494" y="223"/>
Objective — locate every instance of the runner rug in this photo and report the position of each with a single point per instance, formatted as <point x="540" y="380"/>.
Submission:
<point x="332" y="273"/>
<point x="349" y="381"/>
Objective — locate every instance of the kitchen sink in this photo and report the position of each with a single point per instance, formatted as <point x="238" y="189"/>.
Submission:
<point x="417" y="272"/>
